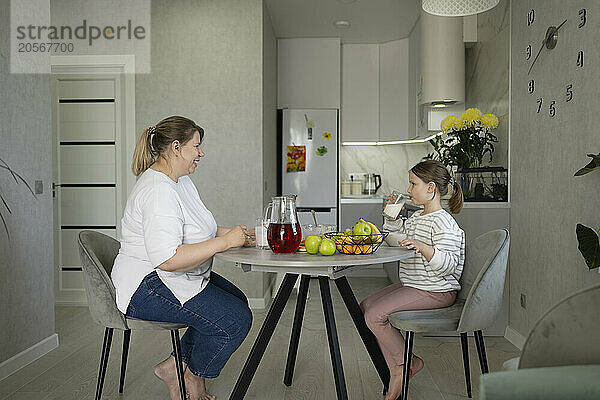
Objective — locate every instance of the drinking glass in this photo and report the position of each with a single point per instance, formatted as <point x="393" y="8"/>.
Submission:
<point x="394" y="205"/>
<point x="261" y="233"/>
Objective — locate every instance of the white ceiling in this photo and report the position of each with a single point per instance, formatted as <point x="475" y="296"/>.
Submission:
<point x="372" y="21"/>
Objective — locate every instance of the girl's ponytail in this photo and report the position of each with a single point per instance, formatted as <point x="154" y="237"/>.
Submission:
<point x="434" y="171"/>
<point x="455" y="203"/>
<point x="142" y="155"/>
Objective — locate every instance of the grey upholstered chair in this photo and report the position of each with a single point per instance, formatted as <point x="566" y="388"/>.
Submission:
<point x="476" y="307"/>
<point x="560" y="358"/>
<point x="98" y="253"/>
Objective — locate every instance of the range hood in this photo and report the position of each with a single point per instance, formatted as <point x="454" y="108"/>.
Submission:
<point x="442" y="61"/>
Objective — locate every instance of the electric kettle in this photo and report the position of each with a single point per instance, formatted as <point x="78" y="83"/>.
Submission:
<point x="372" y="182"/>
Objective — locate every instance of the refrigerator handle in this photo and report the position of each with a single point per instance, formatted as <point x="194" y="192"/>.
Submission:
<point x="317" y="209"/>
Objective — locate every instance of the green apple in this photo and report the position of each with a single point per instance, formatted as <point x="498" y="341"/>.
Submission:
<point x="348" y="232"/>
<point x="327" y="247"/>
<point x="312" y="244"/>
<point x="362" y="228"/>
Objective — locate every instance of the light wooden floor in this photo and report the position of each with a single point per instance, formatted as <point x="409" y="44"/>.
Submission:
<point x="70" y="371"/>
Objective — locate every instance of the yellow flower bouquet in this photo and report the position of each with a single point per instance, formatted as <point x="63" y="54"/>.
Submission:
<point x="468" y="139"/>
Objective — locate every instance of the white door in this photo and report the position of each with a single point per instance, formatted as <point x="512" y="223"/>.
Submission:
<point x="87" y="132"/>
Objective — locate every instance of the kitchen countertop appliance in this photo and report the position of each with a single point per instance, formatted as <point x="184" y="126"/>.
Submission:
<point x="371" y="183"/>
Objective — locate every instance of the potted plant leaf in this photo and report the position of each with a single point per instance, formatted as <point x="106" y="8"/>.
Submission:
<point x="18" y="180"/>
<point x="589" y="243"/>
<point x="468" y="140"/>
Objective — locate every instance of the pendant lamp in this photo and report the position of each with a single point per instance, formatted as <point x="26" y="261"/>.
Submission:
<point x="457" y="8"/>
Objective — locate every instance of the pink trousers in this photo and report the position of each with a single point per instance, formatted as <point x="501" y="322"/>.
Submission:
<point x="378" y="306"/>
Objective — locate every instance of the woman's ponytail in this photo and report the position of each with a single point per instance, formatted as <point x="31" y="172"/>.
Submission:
<point x="455" y="203"/>
<point x="142" y="155"/>
<point x="154" y="141"/>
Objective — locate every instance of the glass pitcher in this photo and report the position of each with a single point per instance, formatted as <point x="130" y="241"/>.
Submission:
<point x="284" y="233"/>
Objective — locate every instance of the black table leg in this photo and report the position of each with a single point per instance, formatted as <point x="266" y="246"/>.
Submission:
<point x="334" y="345"/>
<point x="363" y="330"/>
<point x="295" y="338"/>
<point x="264" y="335"/>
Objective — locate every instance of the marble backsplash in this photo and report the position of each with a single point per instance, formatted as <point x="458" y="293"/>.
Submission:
<point x="392" y="162"/>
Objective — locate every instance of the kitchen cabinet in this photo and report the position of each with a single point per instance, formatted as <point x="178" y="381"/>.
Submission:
<point x="393" y="91"/>
<point x="375" y="92"/>
<point x="308" y="73"/>
<point x="360" y="92"/>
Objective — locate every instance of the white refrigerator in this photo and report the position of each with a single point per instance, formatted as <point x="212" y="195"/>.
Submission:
<point x="309" y="162"/>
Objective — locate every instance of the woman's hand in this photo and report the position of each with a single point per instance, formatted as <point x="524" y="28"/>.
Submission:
<point x="235" y="237"/>
<point x="250" y="238"/>
<point x="419" y="247"/>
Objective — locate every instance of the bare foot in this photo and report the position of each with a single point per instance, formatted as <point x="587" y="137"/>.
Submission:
<point x="396" y="377"/>
<point x="395" y="386"/>
<point x="416" y="365"/>
<point x="166" y="371"/>
<point x="196" y="387"/>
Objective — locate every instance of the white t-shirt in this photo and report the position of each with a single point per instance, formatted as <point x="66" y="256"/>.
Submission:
<point x="439" y="230"/>
<point x="159" y="216"/>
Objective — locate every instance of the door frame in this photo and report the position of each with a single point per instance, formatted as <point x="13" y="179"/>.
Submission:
<point x="81" y="66"/>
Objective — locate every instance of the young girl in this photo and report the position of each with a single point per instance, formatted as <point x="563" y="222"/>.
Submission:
<point x="429" y="279"/>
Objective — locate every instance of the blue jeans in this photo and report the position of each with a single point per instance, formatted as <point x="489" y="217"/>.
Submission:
<point x="218" y="320"/>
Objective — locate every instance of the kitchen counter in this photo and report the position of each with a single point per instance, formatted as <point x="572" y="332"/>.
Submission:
<point x="361" y="199"/>
<point x="486" y="204"/>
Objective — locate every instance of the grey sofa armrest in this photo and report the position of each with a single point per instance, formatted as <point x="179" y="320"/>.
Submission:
<point x="581" y="382"/>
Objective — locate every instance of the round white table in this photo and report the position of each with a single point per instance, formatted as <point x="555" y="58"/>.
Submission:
<point x="334" y="267"/>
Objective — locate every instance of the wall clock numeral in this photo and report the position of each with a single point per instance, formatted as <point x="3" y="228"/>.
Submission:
<point x="569" y="92"/>
<point x="552" y="110"/>
<point x="528" y="52"/>
<point x="582" y="14"/>
<point x="531" y="86"/>
<point x="539" y="101"/>
<point x="530" y="17"/>
<point x="580" y="58"/>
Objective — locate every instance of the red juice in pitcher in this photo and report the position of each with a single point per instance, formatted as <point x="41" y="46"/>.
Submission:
<point x="284" y="238"/>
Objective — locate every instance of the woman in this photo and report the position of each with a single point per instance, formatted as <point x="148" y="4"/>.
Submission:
<point x="429" y="279"/>
<point x="163" y="269"/>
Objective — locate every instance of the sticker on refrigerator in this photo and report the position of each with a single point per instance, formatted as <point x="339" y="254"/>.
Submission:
<point x="326" y="135"/>
<point x="321" y="150"/>
<point x="296" y="158"/>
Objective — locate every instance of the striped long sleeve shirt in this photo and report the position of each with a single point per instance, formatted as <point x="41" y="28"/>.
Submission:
<point x="439" y="230"/>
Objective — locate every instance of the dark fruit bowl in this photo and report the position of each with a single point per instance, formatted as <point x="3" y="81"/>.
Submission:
<point x="356" y="244"/>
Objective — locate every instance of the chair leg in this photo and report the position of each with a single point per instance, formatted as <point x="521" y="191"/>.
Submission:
<point x="178" y="361"/>
<point x="126" y="337"/>
<point x="108" y="332"/>
<point x="481" y="352"/>
<point x="407" y="359"/>
<point x="465" y="352"/>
